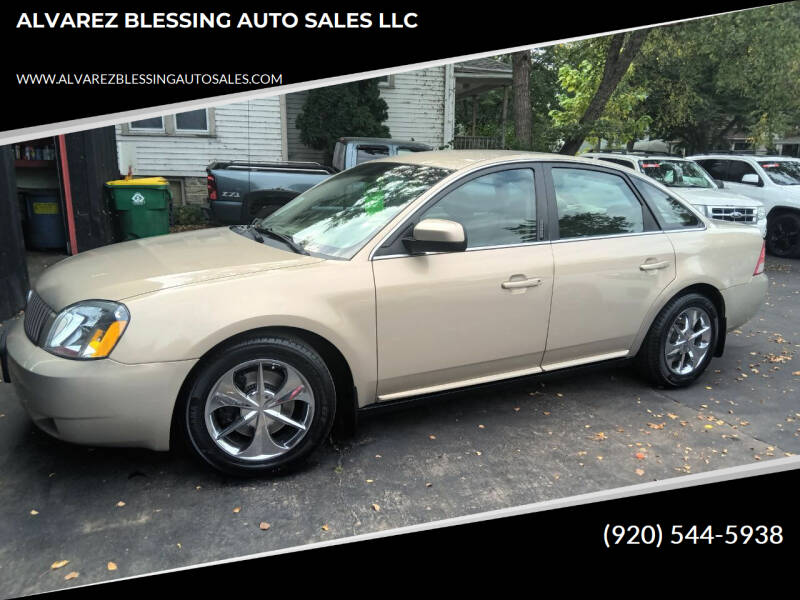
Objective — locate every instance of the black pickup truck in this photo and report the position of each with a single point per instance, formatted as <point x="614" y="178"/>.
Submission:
<point x="238" y="192"/>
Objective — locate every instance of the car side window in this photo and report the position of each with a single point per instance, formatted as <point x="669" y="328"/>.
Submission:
<point x="593" y="203"/>
<point x="718" y="169"/>
<point x="739" y="169"/>
<point x="498" y="209"/>
<point x="670" y="213"/>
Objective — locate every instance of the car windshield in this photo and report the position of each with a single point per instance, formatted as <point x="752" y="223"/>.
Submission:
<point x="676" y="173"/>
<point x="341" y="214"/>
<point x="784" y="172"/>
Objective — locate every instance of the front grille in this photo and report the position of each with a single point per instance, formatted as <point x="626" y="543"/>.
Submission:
<point x="735" y="214"/>
<point x="36" y="315"/>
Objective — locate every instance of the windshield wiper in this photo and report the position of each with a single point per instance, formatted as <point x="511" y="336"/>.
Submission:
<point x="283" y="238"/>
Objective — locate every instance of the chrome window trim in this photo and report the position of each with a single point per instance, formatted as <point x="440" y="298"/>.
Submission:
<point x="478" y="249"/>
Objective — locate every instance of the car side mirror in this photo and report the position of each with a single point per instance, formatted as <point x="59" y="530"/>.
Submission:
<point x="720" y="183"/>
<point x="751" y="179"/>
<point x="436" y="235"/>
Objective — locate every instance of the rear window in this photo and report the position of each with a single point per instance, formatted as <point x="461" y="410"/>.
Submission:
<point x="368" y="153"/>
<point x="782" y="172"/>
<point x="670" y="213"/>
<point x="617" y="161"/>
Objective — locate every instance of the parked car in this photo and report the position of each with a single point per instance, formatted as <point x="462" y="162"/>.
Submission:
<point x="693" y="184"/>
<point x="238" y="192"/>
<point x="351" y="151"/>
<point x="396" y="279"/>
<point x="774" y="181"/>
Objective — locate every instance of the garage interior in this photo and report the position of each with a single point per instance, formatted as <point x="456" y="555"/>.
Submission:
<point x="52" y="205"/>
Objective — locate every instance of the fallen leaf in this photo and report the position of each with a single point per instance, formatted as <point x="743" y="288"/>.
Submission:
<point x="708" y="426"/>
<point x="325" y="528"/>
<point x="120" y="504"/>
<point x="376" y="508"/>
<point x="34" y="511"/>
<point x="600" y="436"/>
<point x="111" y="566"/>
<point x="656" y="425"/>
<point x="432" y="437"/>
<point x="671" y="416"/>
<point x="58" y="564"/>
<point x="264" y="525"/>
<point x="481" y="426"/>
<point x="640" y="455"/>
<point x="237" y="509"/>
<point x="72" y="575"/>
<point x="640" y="472"/>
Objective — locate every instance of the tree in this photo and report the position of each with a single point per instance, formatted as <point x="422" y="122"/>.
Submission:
<point x="712" y="77"/>
<point x="621" y="49"/>
<point x="351" y="109"/>
<point x="520" y="84"/>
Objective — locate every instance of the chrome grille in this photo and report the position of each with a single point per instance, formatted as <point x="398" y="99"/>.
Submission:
<point x="36" y="314"/>
<point x="733" y="213"/>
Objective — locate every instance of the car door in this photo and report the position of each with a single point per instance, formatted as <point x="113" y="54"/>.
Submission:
<point x="732" y="174"/>
<point x="611" y="261"/>
<point x="460" y="318"/>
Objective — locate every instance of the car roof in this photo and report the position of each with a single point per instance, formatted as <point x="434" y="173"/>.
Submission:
<point x="374" y="140"/>
<point x="634" y="156"/>
<point x="464" y="159"/>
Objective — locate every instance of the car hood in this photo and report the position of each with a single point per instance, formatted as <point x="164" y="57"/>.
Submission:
<point x="709" y="197"/>
<point x="128" y="269"/>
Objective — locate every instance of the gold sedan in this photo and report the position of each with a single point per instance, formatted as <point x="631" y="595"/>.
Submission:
<point x="398" y="278"/>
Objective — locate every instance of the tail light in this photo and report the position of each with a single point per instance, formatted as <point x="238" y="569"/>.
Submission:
<point x="761" y="259"/>
<point x="212" y="187"/>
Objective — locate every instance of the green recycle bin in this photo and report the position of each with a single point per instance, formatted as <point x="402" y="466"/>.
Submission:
<point x="141" y="206"/>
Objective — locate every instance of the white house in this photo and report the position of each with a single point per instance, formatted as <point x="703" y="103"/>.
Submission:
<point x="180" y="147"/>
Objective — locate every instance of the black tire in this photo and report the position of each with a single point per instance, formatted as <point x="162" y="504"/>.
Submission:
<point x="282" y="350"/>
<point x="652" y="360"/>
<point x="783" y="235"/>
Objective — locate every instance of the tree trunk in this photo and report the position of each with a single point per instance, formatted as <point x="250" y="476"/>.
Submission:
<point x="504" y="118"/>
<point x="521" y="88"/>
<point x="619" y="56"/>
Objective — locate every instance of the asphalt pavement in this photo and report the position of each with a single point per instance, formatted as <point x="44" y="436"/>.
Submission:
<point x="544" y="438"/>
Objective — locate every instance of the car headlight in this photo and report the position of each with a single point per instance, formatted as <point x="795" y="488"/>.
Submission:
<point x="761" y="213"/>
<point x="87" y="330"/>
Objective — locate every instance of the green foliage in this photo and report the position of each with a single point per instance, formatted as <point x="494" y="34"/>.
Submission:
<point x="189" y="214"/>
<point x="712" y="77"/>
<point x="623" y="119"/>
<point x="695" y="83"/>
<point x="351" y="109"/>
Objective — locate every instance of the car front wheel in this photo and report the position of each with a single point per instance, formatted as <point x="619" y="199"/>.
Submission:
<point x="681" y="341"/>
<point x="259" y="406"/>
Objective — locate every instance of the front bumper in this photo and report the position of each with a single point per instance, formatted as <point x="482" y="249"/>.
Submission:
<point x="99" y="403"/>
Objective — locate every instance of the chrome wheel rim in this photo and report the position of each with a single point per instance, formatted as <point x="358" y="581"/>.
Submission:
<point x="259" y="409"/>
<point x="688" y="341"/>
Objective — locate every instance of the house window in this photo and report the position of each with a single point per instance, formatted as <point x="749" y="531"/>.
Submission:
<point x="190" y="123"/>
<point x="194" y="121"/>
<point x="154" y="124"/>
<point x="387" y="81"/>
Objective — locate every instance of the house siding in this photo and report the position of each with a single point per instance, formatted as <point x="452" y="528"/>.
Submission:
<point x="416" y="103"/>
<point x="249" y="131"/>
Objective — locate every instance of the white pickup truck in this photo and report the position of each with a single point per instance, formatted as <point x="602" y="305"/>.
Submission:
<point x="772" y="180"/>
<point x="694" y="185"/>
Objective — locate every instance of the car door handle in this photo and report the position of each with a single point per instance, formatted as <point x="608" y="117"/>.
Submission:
<point x="653" y="266"/>
<point x="515" y="284"/>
